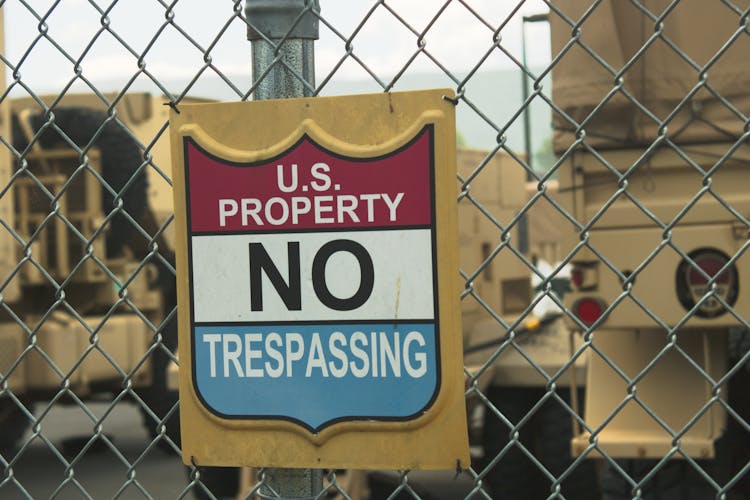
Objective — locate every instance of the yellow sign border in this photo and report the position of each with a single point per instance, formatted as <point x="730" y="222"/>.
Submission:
<point x="358" y="126"/>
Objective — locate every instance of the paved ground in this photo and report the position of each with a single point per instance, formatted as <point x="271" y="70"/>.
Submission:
<point x="102" y="472"/>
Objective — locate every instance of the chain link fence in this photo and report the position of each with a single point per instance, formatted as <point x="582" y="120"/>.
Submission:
<point x="603" y="213"/>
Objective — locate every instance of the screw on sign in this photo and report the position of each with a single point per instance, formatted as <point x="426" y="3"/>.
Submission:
<point x="314" y="290"/>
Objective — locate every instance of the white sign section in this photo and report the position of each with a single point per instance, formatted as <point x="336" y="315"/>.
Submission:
<point x="343" y="265"/>
<point x="313" y="281"/>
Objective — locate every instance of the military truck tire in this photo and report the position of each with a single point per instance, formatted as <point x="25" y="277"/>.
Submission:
<point x="13" y="425"/>
<point x="546" y="435"/>
<point x="159" y="397"/>
<point x="734" y="445"/>
<point x="161" y="403"/>
<point x="676" y="480"/>
<point x="222" y="482"/>
<point x="555" y="432"/>
<point x="121" y="157"/>
<point x="514" y="477"/>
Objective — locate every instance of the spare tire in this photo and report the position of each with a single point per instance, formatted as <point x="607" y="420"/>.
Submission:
<point x="121" y="158"/>
<point x="13" y="425"/>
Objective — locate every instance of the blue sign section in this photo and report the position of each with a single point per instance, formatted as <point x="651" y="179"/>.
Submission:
<point x="317" y="374"/>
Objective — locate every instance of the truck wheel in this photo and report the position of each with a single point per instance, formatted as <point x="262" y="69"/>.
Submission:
<point x="222" y="482"/>
<point x="546" y="435"/>
<point x="159" y="397"/>
<point x="554" y="436"/>
<point x="161" y="403"/>
<point x="13" y="425"/>
<point x="121" y="157"/>
<point x="736" y="438"/>
<point x="515" y="476"/>
<point x="676" y="480"/>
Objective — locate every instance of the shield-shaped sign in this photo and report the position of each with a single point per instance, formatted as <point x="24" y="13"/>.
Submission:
<point x="317" y="279"/>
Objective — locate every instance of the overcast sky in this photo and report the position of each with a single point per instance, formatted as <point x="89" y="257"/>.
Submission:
<point x="457" y="39"/>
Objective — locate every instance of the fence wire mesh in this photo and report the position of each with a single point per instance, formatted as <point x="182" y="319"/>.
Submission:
<point x="604" y="259"/>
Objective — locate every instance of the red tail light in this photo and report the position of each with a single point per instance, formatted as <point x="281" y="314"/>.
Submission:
<point x="589" y="310"/>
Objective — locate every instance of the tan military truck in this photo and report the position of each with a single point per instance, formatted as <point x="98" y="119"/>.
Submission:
<point x="505" y="263"/>
<point x="660" y="273"/>
<point x="84" y="288"/>
<point x="501" y="288"/>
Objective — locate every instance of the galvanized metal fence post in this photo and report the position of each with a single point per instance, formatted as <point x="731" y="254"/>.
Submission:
<point x="282" y="33"/>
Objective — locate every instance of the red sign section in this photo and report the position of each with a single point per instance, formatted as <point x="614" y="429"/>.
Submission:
<point x="309" y="187"/>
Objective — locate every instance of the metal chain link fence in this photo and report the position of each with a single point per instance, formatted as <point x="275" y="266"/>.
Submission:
<point x="603" y="213"/>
